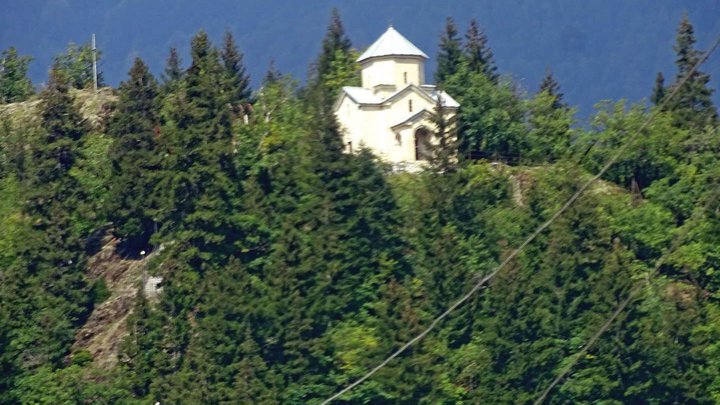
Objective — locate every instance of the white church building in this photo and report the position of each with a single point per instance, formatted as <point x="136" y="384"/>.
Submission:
<point x="391" y="113"/>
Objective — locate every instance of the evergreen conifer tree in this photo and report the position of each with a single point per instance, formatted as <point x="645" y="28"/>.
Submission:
<point x="135" y="158"/>
<point x="692" y="104"/>
<point x="444" y="155"/>
<point x="450" y="53"/>
<point x="272" y="75"/>
<point x="173" y="71"/>
<point x="478" y="54"/>
<point x="200" y="181"/>
<point x="550" y="86"/>
<point x="335" y="66"/>
<point x="335" y="40"/>
<point x="550" y="123"/>
<point x="52" y="265"/>
<point x="238" y="81"/>
<point x="14" y="84"/>
<point x="658" y="93"/>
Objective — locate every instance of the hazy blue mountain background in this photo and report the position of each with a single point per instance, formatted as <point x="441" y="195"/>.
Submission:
<point x="600" y="49"/>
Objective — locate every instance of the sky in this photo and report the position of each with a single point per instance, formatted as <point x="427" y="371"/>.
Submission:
<point x="597" y="49"/>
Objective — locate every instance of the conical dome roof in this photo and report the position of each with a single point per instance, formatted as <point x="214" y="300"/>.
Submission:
<point x="392" y="43"/>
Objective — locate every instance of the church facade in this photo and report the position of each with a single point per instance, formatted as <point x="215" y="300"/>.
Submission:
<point x="391" y="113"/>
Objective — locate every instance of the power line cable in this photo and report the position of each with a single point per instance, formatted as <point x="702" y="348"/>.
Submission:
<point x="620" y="151"/>
<point x="620" y="308"/>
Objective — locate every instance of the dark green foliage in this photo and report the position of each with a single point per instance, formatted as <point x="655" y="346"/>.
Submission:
<point x="449" y="54"/>
<point x="134" y="157"/>
<point x="199" y="180"/>
<point x="658" y="93"/>
<point x="693" y="104"/>
<point x="44" y="292"/>
<point x="550" y="124"/>
<point x="335" y="66"/>
<point x="291" y="268"/>
<point x="550" y="86"/>
<point x="238" y="82"/>
<point x="444" y="156"/>
<point x="55" y="203"/>
<point x="272" y="75"/>
<point x="335" y="40"/>
<point x="173" y="71"/>
<point x="478" y="54"/>
<point x="14" y="84"/>
<point x="490" y="117"/>
<point x="76" y="65"/>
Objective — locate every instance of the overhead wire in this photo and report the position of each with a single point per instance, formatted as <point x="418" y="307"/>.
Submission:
<point x="618" y="153"/>
<point x="623" y="304"/>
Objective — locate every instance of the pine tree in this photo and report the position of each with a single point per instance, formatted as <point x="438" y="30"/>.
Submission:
<point x="335" y="40"/>
<point x="200" y="181"/>
<point x="692" y="104"/>
<point x="14" y="84"/>
<point x="658" y="93"/>
<point x="450" y="53"/>
<point x="238" y="81"/>
<point x="173" y="71"/>
<point x="549" y="123"/>
<point x="135" y="158"/>
<point x="272" y="75"/>
<point x="477" y="52"/>
<point x="550" y="86"/>
<point x="444" y="155"/>
<point x="52" y="266"/>
<point x="335" y="66"/>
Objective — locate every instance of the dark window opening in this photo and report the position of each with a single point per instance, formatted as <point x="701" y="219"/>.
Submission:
<point x="422" y="144"/>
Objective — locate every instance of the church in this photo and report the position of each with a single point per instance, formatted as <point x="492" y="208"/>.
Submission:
<point x="392" y="112"/>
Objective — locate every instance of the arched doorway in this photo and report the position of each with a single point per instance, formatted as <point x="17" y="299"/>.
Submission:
<point x="422" y="144"/>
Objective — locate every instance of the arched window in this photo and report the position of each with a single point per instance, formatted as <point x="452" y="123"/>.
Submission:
<point x="422" y="144"/>
<point x="410" y="105"/>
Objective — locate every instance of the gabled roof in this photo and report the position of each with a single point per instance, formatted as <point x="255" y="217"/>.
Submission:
<point x="447" y="100"/>
<point x="412" y="118"/>
<point x="391" y="43"/>
<point x="363" y="96"/>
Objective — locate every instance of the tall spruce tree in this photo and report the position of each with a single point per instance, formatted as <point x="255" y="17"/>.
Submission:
<point x="237" y="80"/>
<point x="335" y="66"/>
<point x="173" y="71"/>
<point x="444" y="156"/>
<point x="692" y="104"/>
<point x="550" y="86"/>
<point x="549" y="122"/>
<point x="478" y="54"/>
<point x="658" y="93"/>
<point x="450" y="53"/>
<point x="14" y="83"/>
<point x="51" y="265"/>
<point x="135" y="159"/>
<point x="200" y="183"/>
<point x="335" y="40"/>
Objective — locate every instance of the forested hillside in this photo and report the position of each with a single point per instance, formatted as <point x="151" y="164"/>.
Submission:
<point x="290" y="269"/>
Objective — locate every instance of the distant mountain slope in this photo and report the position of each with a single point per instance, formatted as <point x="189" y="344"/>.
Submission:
<point x="597" y="49"/>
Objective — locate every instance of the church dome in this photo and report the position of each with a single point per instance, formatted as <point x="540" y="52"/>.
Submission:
<point x="391" y="43"/>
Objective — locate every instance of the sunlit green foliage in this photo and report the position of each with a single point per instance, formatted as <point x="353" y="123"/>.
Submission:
<point x="291" y="268"/>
